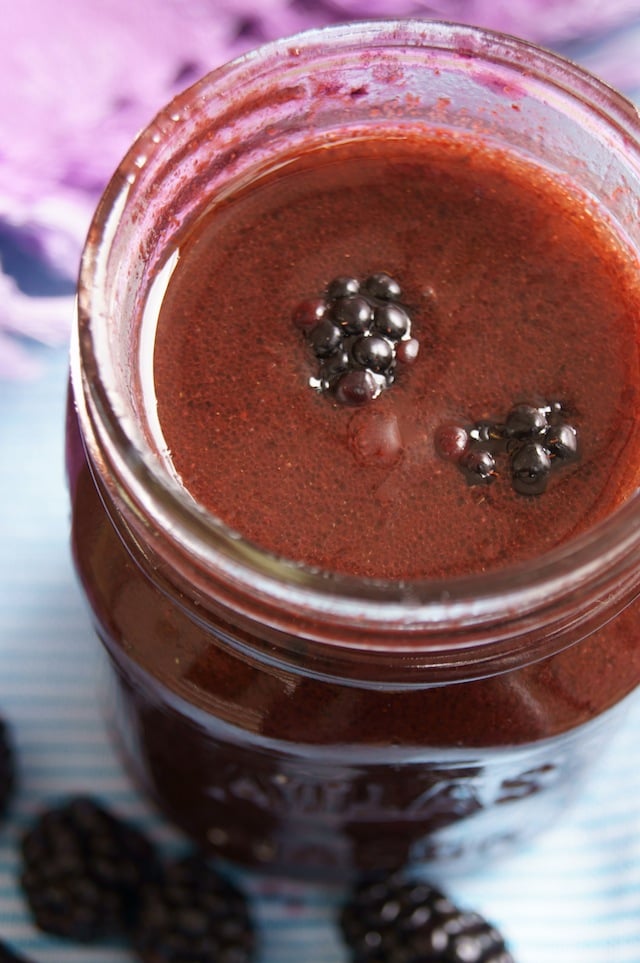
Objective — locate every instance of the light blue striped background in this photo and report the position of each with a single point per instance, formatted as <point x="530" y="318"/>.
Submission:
<point x="572" y="897"/>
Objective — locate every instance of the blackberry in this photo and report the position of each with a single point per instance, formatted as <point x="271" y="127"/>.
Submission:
<point x="357" y="332"/>
<point x="82" y="870"/>
<point x="534" y="439"/>
<point x="7" y="767"/>
<point x="7" y="955"/>
<point x="193" y="914"/>
<point x="401" y="921"/>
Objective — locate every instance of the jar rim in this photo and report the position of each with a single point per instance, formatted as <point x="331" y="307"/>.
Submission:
<point x="610" y="546"/>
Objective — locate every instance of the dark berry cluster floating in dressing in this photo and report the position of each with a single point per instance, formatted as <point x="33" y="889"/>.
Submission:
<point x="357" y="331"/>
<point x="533" y="439"/>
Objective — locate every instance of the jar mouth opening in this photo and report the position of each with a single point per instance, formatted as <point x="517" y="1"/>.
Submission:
<point x="159" y="500"/>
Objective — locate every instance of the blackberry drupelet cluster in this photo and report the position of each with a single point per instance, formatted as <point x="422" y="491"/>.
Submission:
<point x="194" y="913"/>
<point x="358" y="331"/>
<point x="83" y="870"/>
<point x="8" y="955"/>
<point x="396" y="920"/>
<point x="87" y="874"/>
<point x="533" y="439"/>
<point x="7" y="767"/>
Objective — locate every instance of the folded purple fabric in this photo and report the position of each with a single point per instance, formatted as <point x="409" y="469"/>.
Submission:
<point x="79" y="80"/>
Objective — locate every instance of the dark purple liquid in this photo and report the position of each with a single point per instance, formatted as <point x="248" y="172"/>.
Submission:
<point x="517" y="294"/>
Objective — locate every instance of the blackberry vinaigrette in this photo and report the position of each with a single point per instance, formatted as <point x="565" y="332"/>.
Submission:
<point x="354" y="454"/>
<point x="510" y="287"/>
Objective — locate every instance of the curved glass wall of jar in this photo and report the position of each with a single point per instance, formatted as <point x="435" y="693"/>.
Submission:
<point x="326" y="86"/>
<point x="449" y="719"/>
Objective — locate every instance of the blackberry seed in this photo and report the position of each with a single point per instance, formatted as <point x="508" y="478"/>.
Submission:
<point x="342" y="287"/>
<point x="356" y="387"/>
<point x="325" y="338"/>
<point x="525" y="421"/>
<point x="383" y="286"/>
<point x="479" y="464"/>
<point x="354" y="314"/>
<point x="193" y="913"/>
<point x="530" y="468"/>
<point x="372" y="352"/>
<point x="83" y="869"/>
<point x="392" y="321"/>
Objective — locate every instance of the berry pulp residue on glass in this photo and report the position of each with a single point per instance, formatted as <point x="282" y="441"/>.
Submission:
<point x="518" y="293"/>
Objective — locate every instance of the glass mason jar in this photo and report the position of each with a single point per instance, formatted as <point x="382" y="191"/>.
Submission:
<point x="310" y="723"/>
